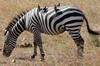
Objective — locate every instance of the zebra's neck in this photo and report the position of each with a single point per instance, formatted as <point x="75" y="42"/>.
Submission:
<point x="19" y="27"/>
<point x="15" y="20"/>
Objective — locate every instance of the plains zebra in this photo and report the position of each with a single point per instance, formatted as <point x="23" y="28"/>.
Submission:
<point x="52" y="21"/>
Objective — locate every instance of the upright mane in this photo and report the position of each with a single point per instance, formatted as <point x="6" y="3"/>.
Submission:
<point x="14" y="21"/>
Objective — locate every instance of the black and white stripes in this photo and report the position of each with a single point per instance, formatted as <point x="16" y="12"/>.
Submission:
<point x="49" y="20"/>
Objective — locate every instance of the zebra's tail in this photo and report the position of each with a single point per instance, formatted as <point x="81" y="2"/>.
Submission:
<point x="88" y="28"/>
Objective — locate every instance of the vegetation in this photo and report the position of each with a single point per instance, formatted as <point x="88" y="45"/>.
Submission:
<point x="60" y="49"/>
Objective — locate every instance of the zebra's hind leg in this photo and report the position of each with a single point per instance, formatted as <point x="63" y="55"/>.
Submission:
<point x="80" y="47"/>
<point x="38" y="42"/>
<point x="79" y="42"/>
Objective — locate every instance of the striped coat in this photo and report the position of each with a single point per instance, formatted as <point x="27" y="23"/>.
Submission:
<point x="51" y="21"/>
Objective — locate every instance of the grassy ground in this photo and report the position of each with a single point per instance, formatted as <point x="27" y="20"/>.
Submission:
<point x="60" y="50"/>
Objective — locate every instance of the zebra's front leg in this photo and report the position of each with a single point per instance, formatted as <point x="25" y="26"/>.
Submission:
<point x="35" y="51"/>
<point x="38" y="42"/>
<point x="41" y="51"/>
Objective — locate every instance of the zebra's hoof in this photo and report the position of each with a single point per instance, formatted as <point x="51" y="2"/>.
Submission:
<point x="32" y="57"/>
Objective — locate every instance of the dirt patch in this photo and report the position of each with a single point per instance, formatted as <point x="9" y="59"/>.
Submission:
<point x="25" y="45"/>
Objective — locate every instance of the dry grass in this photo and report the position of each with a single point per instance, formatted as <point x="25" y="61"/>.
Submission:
<point x="60" y="50"/>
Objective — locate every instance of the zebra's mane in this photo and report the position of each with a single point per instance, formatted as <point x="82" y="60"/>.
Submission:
<point x="14" y="21"/>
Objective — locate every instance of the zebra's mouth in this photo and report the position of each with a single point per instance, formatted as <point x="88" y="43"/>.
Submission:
<point x="6" y="53"/>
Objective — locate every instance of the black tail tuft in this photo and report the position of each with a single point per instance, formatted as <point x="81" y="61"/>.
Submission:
<point x="89" y="30"/>
<point x="93" y="32"/>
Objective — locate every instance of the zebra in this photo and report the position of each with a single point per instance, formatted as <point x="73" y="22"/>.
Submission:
<point x="52" y="21"/>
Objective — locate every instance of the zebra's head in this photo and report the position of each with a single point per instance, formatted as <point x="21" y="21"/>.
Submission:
<point x="9" y="44"/>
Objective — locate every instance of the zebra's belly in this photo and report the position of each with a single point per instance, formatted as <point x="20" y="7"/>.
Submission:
<point x="53" y="33"/>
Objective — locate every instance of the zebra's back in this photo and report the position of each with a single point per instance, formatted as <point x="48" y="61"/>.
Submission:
<point x="55" y="22"/>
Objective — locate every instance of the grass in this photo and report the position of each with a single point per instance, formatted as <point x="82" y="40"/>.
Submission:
<point x="60" y="49"/>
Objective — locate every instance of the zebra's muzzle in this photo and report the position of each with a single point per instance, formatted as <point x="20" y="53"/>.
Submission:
<point x="6" y="53"/>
